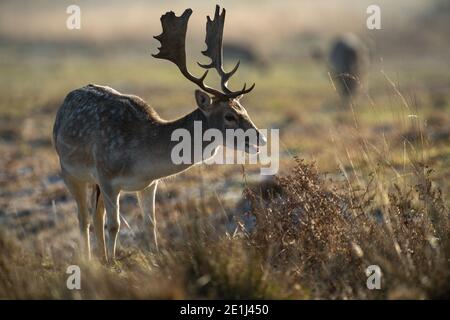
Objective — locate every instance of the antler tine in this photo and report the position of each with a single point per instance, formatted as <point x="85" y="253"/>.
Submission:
<point x="243" y="91"/>
<point x="173" y="47"/>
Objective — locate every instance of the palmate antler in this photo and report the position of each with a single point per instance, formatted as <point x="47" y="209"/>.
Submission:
<point x="214" y="51"/>
<point x="173" y="48"/>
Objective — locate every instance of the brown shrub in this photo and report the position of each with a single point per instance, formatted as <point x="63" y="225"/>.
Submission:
<point x="325" y="234"/>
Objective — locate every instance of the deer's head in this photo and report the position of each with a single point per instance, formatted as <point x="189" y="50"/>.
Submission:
<point x="221" y="108"/>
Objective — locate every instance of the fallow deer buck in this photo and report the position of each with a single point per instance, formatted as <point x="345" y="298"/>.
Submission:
<point x="110" y="142"/>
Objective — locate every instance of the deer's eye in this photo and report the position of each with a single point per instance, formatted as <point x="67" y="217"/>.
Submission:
<point x="230" y="117"/>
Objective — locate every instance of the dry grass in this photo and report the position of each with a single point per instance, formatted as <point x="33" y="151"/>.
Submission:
<point x="313" y="238"/>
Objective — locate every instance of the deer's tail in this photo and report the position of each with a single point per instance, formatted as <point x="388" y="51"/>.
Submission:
<point x="95" y="198"/>
<point x="94" y="201"/>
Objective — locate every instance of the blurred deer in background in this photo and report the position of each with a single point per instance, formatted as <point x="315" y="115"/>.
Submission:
<point x="246" y="53"/>
<point x="347" y="61"/>
<point x="110" y="142"/>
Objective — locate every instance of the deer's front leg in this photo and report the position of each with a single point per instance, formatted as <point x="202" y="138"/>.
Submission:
<point x="146" y="199"/>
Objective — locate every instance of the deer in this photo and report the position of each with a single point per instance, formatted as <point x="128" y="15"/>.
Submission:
<point x="108" y="142"/>
<point x="347" y="61"/>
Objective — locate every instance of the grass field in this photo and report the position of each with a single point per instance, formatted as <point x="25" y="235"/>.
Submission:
<point x="372" y="188"/>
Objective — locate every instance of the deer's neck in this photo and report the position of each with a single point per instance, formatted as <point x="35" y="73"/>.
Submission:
<point x="164" y="137"/>
<point x="187" y="122"/>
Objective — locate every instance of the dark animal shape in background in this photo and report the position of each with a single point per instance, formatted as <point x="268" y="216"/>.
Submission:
<point x="238" y="51"/>
<point x="347" y="61"/>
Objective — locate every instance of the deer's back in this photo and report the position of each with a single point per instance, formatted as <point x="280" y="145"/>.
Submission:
<point x="97" y="124"/>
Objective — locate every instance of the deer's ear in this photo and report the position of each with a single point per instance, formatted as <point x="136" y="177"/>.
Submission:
<point x="203" y="100"/>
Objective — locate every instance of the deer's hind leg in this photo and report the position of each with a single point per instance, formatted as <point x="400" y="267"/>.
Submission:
<point x="78" y="189"/>
<point x="99" y="225"/>
<point x="110" y="197"/>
